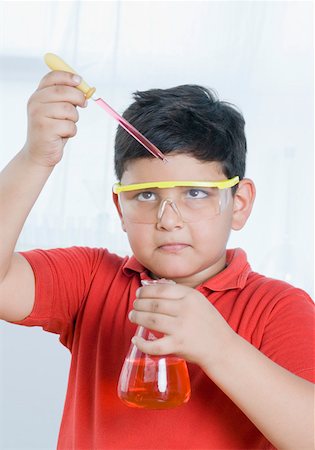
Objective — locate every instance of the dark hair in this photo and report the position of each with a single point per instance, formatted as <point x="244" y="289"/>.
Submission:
<point x="185" y="119"/>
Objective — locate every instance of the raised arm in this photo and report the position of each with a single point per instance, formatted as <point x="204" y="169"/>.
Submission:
<point x="52" y="115"/>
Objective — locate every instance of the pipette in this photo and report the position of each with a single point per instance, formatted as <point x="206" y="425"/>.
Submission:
<point x="55" y="63"/>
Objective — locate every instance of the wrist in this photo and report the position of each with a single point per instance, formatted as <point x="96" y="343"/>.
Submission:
<point x="32" y="158"/>
<point x="219" y="358"/>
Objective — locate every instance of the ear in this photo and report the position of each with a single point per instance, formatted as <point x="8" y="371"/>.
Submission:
<point x="242" y="203"/>
<point x="116" y="202"/>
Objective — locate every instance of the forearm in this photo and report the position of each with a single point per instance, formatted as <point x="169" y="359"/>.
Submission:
<point x="279" y="403"/>
<point x="21" y="182"/>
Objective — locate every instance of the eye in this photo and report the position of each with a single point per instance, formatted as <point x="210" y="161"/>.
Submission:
<point x="146" y="196"/>
<point x="197" y="193"/>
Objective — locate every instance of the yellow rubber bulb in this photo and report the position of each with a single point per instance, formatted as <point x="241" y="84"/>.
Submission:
<point x="54" y="62"/>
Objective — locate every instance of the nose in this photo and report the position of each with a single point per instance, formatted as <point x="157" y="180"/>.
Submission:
<point x="169" y="216"/>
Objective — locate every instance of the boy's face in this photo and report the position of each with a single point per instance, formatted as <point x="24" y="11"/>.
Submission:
<point x="188" y="253"/>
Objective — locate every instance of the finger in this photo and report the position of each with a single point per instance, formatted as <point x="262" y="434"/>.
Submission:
<point x="162" y="346"/>
<point x="66" y="128"/>
<point x="61" y="128"/>
<point x="171" y="291"/>
<point x="155" y="322"/>
<point x="161" y="306"/>
<point x="59" y="77"/>
<point x="61" y="110"/>
<point x="59" y="93"/>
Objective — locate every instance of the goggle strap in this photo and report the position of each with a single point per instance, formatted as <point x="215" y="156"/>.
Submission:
<point x="224" y="184"/>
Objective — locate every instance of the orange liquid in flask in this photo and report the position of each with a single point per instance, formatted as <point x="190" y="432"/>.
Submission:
<point x="155" y="382"/>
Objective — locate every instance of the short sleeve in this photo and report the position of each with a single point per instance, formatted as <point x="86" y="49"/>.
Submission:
<point x="63" y="278"/>
<point x="288" y="337"/>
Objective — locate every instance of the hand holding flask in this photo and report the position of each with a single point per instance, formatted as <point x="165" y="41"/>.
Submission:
<point x="153" y="382"/>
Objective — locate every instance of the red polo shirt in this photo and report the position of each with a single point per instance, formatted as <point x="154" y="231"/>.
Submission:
<point x="85" y="294"/>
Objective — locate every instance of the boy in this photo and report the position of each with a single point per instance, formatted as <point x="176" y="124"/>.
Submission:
<point x="247" y="338"/>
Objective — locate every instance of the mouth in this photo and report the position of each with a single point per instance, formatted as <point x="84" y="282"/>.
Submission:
<point x="173" y="247"/>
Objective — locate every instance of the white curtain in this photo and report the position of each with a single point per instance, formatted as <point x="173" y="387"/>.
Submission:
<point x="255" y="54"/>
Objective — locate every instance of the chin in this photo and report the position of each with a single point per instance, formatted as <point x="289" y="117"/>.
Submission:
<point x="172" y="273"/>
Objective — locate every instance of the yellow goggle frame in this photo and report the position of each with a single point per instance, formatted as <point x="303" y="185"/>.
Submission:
<point x="224" y="184"/>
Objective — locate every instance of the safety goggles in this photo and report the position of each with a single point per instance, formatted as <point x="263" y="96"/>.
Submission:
<point x="192" y="201"/>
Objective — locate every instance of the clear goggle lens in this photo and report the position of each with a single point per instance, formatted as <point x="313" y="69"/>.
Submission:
<point x="191" y="204"/>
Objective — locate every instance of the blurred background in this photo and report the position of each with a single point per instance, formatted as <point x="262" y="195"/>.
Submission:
<point x="255" y="54"/>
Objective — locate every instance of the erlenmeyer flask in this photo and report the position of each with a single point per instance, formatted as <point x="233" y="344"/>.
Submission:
<point x="153" y="382"/>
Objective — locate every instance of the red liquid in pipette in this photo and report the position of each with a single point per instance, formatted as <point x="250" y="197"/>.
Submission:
<point x="132" y="130"/>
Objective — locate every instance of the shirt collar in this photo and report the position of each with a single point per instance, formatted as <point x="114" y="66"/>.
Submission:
<point x="234" y="276"/>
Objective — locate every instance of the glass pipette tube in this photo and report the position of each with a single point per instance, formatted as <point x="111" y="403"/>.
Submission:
<point x="130" y="129"/>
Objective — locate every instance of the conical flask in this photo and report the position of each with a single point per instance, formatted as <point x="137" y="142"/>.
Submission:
<point x="153" y="382"/>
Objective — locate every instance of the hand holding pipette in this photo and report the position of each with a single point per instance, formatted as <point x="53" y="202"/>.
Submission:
<point x="52" y="117"/>
<point x="55" y="63"/>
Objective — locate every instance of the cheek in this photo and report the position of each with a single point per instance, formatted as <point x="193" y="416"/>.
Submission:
<point x="213" y="234"/>
<point x="139" y="237"/>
